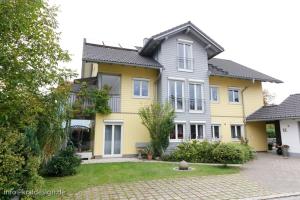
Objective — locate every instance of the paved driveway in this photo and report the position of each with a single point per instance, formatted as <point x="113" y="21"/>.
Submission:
<point x="267" y="175"/>
<point x="274" y="172"/>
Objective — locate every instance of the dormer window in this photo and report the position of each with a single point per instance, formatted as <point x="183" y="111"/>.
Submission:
<point x="185" y="58"/>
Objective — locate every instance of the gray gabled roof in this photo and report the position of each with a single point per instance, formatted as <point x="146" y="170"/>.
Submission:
<point x="228" y="68"/>
<point x="116" y="55"/>
<point x="288" y="109"/>
<point x="212" y="47"/>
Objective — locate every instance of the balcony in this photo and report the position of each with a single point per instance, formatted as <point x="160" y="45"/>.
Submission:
<point x="191" y="105"/>
<point x="114" y="102"/>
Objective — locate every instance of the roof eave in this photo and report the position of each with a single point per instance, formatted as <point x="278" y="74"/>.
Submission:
<point x="248" y="78"/>
<point x="122" y="63"/>
<point x="160" y="38"/>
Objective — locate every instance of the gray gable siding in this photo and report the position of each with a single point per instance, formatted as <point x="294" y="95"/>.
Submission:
<point x="167" y="56"/>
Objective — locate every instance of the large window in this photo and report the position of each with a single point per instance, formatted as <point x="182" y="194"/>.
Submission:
<point x="234" y="95"/>
<point x="178" y="132"/>
<point x="185" y="59"/>
<point x="236" y="131"/>
<point x="176" y="91"/>
<point x="214" y="96"/>
<point x="140" y="88"/>
<point x="113" y="82"/>
<point x="196" y="97"/>
<point x="197" y="131"/>
<point x="215" y="132"/>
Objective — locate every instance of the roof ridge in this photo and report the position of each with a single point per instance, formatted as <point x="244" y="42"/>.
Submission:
<point x="110" y="47"/>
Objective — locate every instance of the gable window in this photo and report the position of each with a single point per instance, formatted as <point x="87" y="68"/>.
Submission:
<point x="177" y="133"/>
<point x="234" y="95"/>
<point x="215" y="132"/>
<point x="176" y="91"/>
<point x="140" y="88"/>
<point x="185" y="57"/>
<point x="197" y="131"/>
<point x="196" y="97"/>
<point x="214" y="94"/>
<point x="236" y="131"/>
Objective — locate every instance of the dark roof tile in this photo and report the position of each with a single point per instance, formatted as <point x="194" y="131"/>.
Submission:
<point x="116" y="55"/>
<point x="228" y="68"/>
<point x="288" y="109"/>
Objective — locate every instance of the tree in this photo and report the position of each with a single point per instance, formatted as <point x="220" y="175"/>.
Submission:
<point x="32" y="84"/>
<point x="158" y="119"/>
<point x="268" y="97"/>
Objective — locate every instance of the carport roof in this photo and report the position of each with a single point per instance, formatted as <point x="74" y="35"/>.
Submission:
<point x="288" y="109"/>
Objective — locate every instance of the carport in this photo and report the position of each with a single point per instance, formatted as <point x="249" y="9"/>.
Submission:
<point x="286" y="119"/>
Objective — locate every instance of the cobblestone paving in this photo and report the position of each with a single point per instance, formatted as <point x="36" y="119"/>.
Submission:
<point x="274" y="172"/>
<point x="209" y="187"/>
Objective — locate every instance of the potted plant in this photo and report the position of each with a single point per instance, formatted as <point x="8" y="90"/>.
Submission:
<point x="285" y="150"/>
<point x="149" y="151"/>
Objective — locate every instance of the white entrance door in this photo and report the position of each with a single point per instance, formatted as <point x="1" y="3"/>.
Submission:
<point x="112" y="140"/>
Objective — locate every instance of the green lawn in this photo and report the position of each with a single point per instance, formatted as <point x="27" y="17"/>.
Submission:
<point x="98" y="174"/>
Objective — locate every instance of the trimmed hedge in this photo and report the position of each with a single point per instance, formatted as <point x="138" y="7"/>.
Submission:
<point x="211" y="152"/>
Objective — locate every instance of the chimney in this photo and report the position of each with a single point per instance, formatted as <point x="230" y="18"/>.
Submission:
<point x="145" y="41"/>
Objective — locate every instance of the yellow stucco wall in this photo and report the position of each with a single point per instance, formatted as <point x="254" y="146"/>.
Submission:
<point x="130" y="104"/>
<point x="133" y="130"/>
<point x="226" y="114"/>
<point x="257" y="135"/>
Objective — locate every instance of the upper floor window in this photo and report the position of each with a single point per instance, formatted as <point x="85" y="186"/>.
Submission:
<point x="113" y="82"/>
<point x="176" y="91"/>
<point x="196" y="97"/>
<point x="214" y="96"/>
<point x="236" y="131"/>
<point x="178" y="132"/>
<point x="234" y="95"/>
<point x="215" y="132"/>
<point x="185" y="58"/>
<point x="197" y="131"/>
<point x="140" y="88"/>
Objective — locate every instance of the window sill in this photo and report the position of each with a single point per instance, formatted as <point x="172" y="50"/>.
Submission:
<point x="196" y="111"/>
<point x="141" y="97"/>
<point x="175" y="140"/>
<point x="185" y="70"/>
<point x="179" y="111"/>
<point x="235" y="103"/>
<point x="215" y="102"/>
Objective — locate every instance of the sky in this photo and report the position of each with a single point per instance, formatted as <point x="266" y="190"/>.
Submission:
<point x="261" y="34"/>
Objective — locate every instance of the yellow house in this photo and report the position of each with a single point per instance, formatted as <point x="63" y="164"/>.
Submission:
<point x="211" y="97"/>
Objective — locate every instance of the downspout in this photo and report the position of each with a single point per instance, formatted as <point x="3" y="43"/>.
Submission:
<point x="243" y="108"/>
<point x="244" y="113"/>
<point x="157" y="78"/>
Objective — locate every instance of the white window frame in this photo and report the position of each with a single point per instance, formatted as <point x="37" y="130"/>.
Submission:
<point x="140" y="85"/>
<point x="195" y="93"/>
<point x="235" y="131"/>
<point x="185" y="42"/>
<point x="175" y="92"/>
<point x="197" y="124"/>
<point x="213" y="132"/>
<point x="183" y="123"/>
<point x="210" y="94"/>
<point x="112" y="123"/>
<point x="239" y="95"/>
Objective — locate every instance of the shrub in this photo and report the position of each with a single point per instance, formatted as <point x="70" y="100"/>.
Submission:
<point x="194" y="151"/>
<point x="64" y="163"/>
<point x="19" y="164"/>
<point x="158" y="119"/>
<point x="232" y="153"/>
